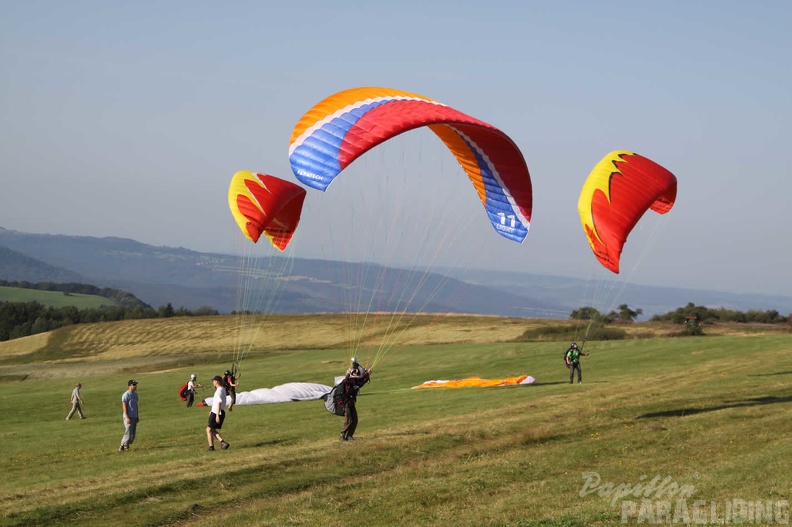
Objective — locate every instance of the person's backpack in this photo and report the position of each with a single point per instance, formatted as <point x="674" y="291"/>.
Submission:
<point x="183" y="393"/>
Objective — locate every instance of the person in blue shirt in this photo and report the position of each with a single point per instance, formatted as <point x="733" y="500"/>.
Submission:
<point x="129" y="405"/>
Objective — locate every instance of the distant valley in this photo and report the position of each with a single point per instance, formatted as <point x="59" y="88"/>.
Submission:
<point x="190" y="279"/>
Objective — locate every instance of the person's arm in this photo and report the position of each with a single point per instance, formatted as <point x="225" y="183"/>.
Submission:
<point x="126" y="415"/>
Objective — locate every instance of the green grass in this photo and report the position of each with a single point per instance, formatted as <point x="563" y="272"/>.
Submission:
<point x="53" y="298"/>
<point x="712" y="412"/>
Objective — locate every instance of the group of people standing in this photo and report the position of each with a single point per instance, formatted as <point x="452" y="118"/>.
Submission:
<point x="354" y="379"/>
<point x="129" y="406"/>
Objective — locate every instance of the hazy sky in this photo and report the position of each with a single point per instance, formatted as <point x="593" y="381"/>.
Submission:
<point x="129" y="118"/>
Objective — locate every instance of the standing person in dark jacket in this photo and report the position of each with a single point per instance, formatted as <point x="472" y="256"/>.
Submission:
<point x="355" y="378"/>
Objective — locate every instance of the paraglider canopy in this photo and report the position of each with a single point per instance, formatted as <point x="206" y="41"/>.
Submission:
<point x="616" y="194"/>
<point x="264" y="204"/>
<point x="345" y="125"/>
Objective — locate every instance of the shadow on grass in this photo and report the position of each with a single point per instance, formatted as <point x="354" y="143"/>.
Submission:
<point x="288" y="441"/>
<point x="753" y="401"/>
<point x="771" y="374"/>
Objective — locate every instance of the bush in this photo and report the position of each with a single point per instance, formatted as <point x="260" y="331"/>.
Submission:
<point x="608" y="334"/>
<point x="547" y="333"/>
<point x="691" y="330"/>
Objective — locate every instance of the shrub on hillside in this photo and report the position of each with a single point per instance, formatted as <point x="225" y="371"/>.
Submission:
<point x="608" y="334"/>
<point x="547" y="333"/>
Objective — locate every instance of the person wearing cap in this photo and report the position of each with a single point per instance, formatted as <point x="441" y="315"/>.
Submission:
<point x="572" y="359"/>
<point x="230" y="384"/>
<point x="76" y="401"/>
<point x="191" y="386"/>
<point x="217" y="415"/>
<point x="356" y="376"/>
<point x="129" y="404"/>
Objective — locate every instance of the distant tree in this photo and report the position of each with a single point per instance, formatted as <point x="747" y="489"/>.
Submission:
<point x="585" y="313"/>
<point x="166" y="311"/>
<point x="625" y="313"/>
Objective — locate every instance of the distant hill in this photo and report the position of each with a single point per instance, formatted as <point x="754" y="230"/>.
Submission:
<point x="26" y="269"/>
<point x="57" y="294"/>
<point x="190" y="279"/>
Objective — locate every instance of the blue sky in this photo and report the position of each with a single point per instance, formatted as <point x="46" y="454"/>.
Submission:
<point x="129" y="119"/>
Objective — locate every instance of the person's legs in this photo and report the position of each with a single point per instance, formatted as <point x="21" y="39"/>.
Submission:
<point x="132" y="431"/>
<point x="349" y="412"/>
<point x="210" y="437"/>
<point x="353" y="424"/>
<point x="129" y="433"/>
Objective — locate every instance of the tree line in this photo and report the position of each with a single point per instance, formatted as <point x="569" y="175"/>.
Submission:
<point x="707" y="315"/>
<point x="683" y="315"/>
<point x="21" y="319"/>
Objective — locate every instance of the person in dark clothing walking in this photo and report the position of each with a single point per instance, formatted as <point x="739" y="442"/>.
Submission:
<point x="355" y="378"/>
<point x="572" y="359"/>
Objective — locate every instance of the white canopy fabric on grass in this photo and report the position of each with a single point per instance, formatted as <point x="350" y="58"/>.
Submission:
<point x="285" y="393"/>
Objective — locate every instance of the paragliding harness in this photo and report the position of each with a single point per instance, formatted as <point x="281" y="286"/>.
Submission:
<point x="343" y="392"/>
<point x="183" y="392"/>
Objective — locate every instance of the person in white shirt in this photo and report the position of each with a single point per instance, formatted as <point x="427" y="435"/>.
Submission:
<point x="192" y="384"/>
<point x="217" y="415"/>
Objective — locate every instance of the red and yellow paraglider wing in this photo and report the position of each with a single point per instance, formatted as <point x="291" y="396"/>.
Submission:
<point x="617" y="193"/>
<point x="344" y="126"/>
<point x="264" y="204"/>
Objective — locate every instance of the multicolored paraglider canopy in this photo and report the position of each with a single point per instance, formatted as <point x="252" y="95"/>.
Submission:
<point x="617" y="193"/>
<point x="344" y="126"/>
<point x="264" y="204"/>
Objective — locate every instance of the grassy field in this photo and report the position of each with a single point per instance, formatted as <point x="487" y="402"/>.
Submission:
<point x="712" y="415"/>
<point x="53" y="298"/>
